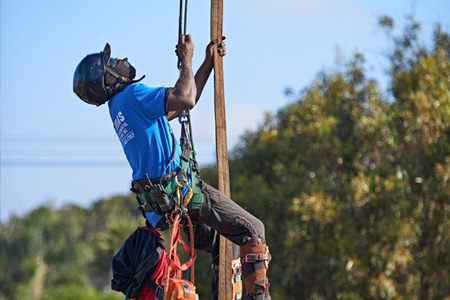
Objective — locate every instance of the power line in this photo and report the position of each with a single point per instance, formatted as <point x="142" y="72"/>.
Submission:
<point x="74" y="152"/>
<point x="63" y="163"/>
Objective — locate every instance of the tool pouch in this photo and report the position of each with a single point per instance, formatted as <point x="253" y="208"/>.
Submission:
<point x="161" y="198"/>
<point x="152" y="198"/>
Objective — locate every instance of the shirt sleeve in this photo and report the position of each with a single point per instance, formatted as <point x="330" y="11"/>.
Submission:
<point x="152" y="100"/>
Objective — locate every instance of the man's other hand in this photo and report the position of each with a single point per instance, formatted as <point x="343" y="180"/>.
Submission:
<point x="221" y="48"/>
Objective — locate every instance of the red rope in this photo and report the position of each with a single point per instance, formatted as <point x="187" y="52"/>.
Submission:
<point x="175" y="238"/>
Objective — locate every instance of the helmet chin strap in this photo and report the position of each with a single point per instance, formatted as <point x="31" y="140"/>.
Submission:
<point x="122" y="79"/>
<point x="119" y="78"/>
<point x="121" y="82"/>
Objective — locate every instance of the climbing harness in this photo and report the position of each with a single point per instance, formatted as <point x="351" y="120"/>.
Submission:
<point x="161" y="194"/>
<point x="188" y="160"/>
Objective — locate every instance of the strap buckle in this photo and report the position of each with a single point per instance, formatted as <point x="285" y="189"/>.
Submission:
<point x="252" y="257"/>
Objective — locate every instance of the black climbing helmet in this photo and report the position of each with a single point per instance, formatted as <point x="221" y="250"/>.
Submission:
<point x="98" y="77"/>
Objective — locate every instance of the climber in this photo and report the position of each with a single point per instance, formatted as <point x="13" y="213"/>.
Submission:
<point x="140" y="116"/>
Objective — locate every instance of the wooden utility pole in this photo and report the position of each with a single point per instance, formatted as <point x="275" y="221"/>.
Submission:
<point x="225" y="252"/>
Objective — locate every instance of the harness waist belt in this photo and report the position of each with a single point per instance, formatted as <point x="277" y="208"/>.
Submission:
<point x="140" y="184"/>
<point x="142" y="187"/>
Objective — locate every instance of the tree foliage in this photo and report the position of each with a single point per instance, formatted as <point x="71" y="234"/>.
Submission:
<point x="50" y="254"/>
<point x="352" y="183"/>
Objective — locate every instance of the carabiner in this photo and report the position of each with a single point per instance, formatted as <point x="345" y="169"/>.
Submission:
<point x="182" y="118"/>
<point x="187" y="198"/>
<point x="179" y="197"/>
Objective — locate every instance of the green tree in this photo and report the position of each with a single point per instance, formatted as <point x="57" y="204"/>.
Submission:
<point x="42" y="249"/>
<point x="353" y="184"/>
<point x="421" y="87"/>
<point x="51" y="253"/>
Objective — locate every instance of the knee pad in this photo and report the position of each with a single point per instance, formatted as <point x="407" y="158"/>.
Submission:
<point x="253" y="236"/>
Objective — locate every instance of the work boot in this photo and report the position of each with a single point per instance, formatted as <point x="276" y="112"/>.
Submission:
<point x="255" y="259"/>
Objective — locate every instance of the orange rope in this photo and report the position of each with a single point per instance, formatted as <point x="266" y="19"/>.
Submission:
<point x="191" y="234"/>
<point x="174" y="228"/>
<point x="174" y="225"/>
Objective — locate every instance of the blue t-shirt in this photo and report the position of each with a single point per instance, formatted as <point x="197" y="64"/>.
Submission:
<point x="139" y="117"/>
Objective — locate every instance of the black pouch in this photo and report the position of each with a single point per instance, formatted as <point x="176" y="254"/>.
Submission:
<point x="159" y="195"/>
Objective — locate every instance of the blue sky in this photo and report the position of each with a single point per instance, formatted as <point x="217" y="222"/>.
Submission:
<point x="56" y="149"/>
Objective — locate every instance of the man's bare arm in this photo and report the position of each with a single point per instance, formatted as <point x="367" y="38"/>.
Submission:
<point x="202" y="74"/>
<point x="182" y="95"/>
